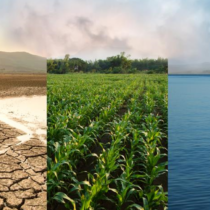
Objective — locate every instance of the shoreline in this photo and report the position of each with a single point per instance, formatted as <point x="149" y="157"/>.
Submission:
<point x="19" y="96"/>
<point x="26" y="113"/>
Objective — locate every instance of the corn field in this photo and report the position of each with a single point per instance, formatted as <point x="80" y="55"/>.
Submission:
<point x="107" y="142"/>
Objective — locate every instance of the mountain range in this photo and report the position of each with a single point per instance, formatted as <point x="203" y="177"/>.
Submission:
<point x="196" y="68"/>
<point x="22" y="62"/>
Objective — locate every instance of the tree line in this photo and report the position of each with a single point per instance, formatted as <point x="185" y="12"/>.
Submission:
<point x="118" y="64"/>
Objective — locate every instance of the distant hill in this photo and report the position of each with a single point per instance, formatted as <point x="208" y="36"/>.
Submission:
<point x="197" y="68"/>
<point x="22" y="62"/>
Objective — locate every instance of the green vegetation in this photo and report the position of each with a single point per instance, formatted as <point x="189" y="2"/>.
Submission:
<point x="107" y="141"/>
<point x="119" y="64"/>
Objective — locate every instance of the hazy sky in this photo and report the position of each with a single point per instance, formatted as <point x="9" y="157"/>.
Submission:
<point x="99" y="28"/>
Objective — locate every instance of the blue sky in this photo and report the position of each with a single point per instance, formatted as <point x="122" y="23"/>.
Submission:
<point x="176" y="29"/>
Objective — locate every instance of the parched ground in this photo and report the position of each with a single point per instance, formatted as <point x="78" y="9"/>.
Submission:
<point x="22" y="84"/>
<point x="23" y="171"/>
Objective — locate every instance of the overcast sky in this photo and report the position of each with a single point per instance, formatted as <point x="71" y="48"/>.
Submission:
<point x="92" y="29"/>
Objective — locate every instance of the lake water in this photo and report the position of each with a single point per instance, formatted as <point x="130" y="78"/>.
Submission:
<point x="189" y="142"/>
<point x="27" y="114"/>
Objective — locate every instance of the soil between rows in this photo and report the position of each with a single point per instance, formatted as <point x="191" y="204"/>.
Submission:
<point x="89" y="164"/>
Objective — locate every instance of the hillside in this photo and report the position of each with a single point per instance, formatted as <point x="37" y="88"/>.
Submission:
<point x="22" y="62"/>
<point x="196" y="68"/>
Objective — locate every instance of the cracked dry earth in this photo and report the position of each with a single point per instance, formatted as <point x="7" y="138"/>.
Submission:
<point x="23" y="171"/>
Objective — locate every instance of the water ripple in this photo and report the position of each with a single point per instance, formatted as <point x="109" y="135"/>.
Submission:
<point x="189" y="143"/>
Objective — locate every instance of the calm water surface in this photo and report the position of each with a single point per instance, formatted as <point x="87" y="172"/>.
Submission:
<point x="189" y="142"/>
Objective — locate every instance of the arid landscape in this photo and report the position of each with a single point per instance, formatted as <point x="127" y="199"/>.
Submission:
<point x="23" y="167"/>
<point x="23" y="126"/>
<point x="22" y="84"/>
<point x="22" y="171"/>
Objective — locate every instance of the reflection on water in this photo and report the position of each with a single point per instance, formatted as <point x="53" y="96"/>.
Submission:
<point x="189" y="142"/>
<point x="27" y="114"/>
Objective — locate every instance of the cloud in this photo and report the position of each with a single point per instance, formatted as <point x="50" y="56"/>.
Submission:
<point x="185" y="33"/>
<point x="93" y="29"/>
<point x="99" y="36"/>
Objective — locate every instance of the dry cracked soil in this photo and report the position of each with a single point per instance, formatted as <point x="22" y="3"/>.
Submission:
<point x="23" y="171"/>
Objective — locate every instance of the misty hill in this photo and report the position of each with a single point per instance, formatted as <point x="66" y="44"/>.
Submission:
<point x="22" y="62"/>
<point x="197" y="68"/>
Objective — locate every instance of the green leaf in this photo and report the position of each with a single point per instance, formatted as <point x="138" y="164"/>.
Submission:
<point x="135" y="206"/>
<point x="59" y="196"/>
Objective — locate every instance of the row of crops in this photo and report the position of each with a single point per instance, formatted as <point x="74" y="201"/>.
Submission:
<point x="107" y="142"/>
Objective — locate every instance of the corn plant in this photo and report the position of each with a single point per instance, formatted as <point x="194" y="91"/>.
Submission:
<point x="122" y="170"/>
